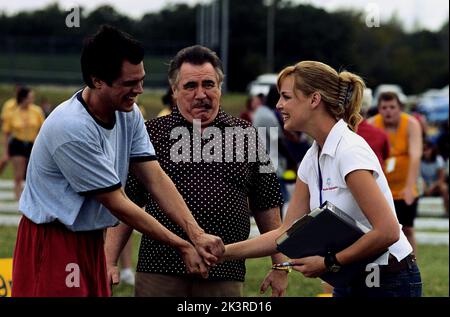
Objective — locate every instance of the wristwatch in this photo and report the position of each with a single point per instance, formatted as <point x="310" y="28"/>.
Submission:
<point x="332" y="263"/>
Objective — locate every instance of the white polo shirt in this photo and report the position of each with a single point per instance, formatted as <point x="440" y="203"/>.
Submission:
<point x="343" y="152"/>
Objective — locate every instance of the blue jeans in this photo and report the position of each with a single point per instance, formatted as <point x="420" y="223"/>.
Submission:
<point x="405" y="283"/>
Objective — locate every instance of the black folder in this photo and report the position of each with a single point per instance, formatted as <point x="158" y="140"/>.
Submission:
<point x="325" y="229"/>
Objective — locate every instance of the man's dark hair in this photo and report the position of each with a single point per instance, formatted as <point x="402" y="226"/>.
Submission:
<point x="388" y="96"/>
<point x="103" y="54"/>
<point x="196" y="55"/>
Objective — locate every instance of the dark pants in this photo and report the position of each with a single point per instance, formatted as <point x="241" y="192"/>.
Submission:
<point x="405" y="283"/>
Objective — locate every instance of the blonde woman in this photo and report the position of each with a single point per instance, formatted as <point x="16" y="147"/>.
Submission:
<point x="340" y="167"/>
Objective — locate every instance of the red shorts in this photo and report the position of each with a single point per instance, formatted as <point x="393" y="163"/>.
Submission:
<point x="52" y="261"/>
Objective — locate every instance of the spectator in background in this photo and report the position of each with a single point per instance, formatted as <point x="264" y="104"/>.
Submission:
<point x="8" y="106"/>
<point x="432" y="170"/>
<point x="442" y="140"/>
<point x="265" y="117"/>
<point x="377" y="139"/>
<point x="20" y="128"/>
<point x="252" y="103"/>
<point x="403" y="165"/>
<point x="168" y="102"/>
<point x="11" y="103"/>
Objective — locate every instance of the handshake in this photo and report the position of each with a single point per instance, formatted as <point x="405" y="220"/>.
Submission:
<point x="206" y="251"/>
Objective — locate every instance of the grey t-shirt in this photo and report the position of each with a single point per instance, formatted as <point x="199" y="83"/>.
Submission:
<point x="74" y="157"/>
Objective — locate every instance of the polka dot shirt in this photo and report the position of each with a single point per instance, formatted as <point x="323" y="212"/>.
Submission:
<point x="220" y="194"/>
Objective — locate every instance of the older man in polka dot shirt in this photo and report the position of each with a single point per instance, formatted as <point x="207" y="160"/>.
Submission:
<point x="222" y="179"/>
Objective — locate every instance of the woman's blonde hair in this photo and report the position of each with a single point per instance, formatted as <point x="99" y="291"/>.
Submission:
<point x="342" y="92"/>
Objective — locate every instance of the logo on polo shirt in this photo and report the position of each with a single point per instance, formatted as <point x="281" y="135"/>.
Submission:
<point x="328" y="184"/>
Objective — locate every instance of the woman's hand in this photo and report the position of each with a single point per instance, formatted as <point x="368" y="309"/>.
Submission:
<point x="311" y="266"/>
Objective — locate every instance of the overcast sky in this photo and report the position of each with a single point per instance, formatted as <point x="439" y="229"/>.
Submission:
<point x="430" y="14"/>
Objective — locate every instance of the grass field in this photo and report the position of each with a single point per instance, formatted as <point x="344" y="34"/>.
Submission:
<point x="433" y="263"/>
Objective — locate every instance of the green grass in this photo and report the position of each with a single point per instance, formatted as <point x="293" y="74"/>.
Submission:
<point x="433" y="262"/>
<point x="434" y="266"/>
<point x="7" y="241"/>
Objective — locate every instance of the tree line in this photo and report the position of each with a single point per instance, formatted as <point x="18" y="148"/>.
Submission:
<point x="415" y="60"/>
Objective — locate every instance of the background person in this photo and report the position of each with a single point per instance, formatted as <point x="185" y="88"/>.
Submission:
<point x="402" y="168"/>
<point x="20" y="127"/>
<point x="377" y="139"/>
<point x="9" y="105"/>
<point x="252" y="103"/>
<point x="432" y="170"/>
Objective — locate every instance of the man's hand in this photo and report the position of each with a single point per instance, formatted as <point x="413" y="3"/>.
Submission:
<point x="210" y="247"/>
<point x="278" y="280"/>
<point x="193" y="261"/>
<point x="113" y="273"/>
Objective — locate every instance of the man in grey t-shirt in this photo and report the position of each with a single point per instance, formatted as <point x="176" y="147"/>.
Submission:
<point x="74" y="182"/>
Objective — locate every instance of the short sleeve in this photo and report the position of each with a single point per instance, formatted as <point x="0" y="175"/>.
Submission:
<point x="86" y="168"/>
<point x="302" y="172"/>
<point x="141" y="147"/>
<point x="358" y="158"/>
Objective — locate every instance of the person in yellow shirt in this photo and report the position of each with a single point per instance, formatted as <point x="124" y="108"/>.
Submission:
<point x="8" y="106"/>
<point x="20" y="128"/>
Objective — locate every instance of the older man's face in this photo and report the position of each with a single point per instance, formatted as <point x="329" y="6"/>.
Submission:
<point x="197" y="92"/>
